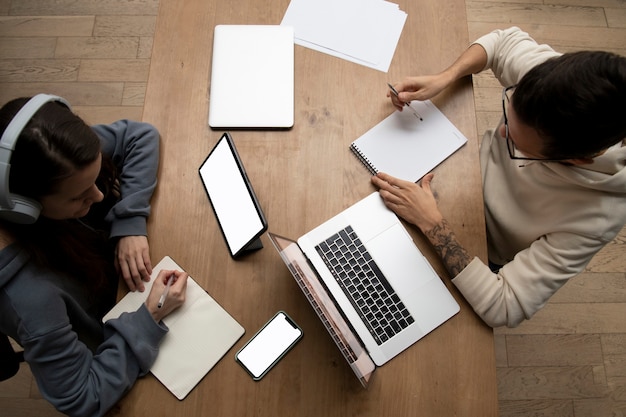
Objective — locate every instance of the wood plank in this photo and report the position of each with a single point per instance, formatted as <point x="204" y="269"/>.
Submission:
<point x="554" y="350"/>
<point x="611" y="257"/>
<point x="124" y="26"/>
<point x="599" y="407"/>
<point x="104" y="94"/>
<point x="616" y="18"/>
<point x="35" y="26"/>
<point x="547" y="382"/>
<point x="28" y="407"/>
<point x="536" y="14"/>
<point x="547" y="408"/>
<point x="5" y="5"/>
<point x="562" y="318"/>
<point x="108" y="114"/>
<point x="26" y="48"/>
<point x="590" y="287"/>
<point x="597" y="3"/>
<point x="39" y="70"/>
<point x="615" y="366"/>
<point x="123" y="70"/>
<point x="134" y="94"/>
<point x="614" y="344"/>
<point x="17" y="386"/>
<point x="145" y="47"/>
<point x="111" y="47"/>
<point x="489" y="99"/>
<point x="84" y="7"/>
<point x="501" y="350"/>
<point x="561" y="38"/>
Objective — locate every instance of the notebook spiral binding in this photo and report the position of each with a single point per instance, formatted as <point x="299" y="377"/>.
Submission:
<point x="366" y="162"/>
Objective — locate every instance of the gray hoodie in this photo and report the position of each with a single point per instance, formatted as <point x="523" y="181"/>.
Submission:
<point x="82" y="367"/>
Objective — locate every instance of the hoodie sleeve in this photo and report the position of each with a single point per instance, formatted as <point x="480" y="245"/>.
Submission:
<point x="134" y="148"/>
<point x="524" y="285"/>
<point x="511" y="53"/>
<point x="80" y="383"/>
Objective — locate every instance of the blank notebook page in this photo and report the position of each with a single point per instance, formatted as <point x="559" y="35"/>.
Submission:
<point x="200" y="334"/>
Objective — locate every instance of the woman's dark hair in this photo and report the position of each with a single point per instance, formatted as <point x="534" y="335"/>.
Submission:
<point x="577" y="103"/>
<point x="53" y="145"/>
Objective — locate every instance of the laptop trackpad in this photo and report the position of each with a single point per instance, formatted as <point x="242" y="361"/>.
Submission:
<point x="399" y="259"/>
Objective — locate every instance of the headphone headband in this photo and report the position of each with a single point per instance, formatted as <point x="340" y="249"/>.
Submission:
<point x="14" y="207"/>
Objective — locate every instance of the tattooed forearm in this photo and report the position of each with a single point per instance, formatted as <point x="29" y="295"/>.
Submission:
<point x="454" y="256"/>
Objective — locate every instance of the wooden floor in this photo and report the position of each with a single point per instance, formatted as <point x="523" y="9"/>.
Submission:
<point x="569" y="360"/>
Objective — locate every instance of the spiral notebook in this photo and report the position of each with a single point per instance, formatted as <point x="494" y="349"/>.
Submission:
<point x="200" y="334"/>
<point x="407" y="147"/>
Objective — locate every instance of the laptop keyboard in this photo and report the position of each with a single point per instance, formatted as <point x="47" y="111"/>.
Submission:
<point x="365" y="285"/>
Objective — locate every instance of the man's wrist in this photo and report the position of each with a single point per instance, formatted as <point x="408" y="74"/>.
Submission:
<point x="453" y="255"/>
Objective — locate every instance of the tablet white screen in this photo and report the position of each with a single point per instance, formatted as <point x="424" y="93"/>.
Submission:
<point x="232" y="201"/>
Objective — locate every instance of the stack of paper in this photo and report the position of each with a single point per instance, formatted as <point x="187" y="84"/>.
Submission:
<point x="362" y="31"/>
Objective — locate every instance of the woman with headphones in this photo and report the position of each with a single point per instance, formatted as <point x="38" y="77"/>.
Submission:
<point x="73" y="206"/>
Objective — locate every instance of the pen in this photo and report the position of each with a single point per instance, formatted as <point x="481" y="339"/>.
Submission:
<point x="167" y="289"/>
<point x="395" y="93"/>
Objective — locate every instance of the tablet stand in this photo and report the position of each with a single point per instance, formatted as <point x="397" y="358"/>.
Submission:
<point x="256" y="244"/>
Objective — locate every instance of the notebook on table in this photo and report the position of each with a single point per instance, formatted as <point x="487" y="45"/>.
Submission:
<point x="252" y="77"/>
<point x="406" y="147"/>
<point x="200" y="333"/>
<point x="370" y="285"/>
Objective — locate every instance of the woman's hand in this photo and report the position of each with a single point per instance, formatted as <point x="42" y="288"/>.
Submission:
<point x="413" y="202"/>
<point x="132" y="261"/>
<point x="174" y="298"/>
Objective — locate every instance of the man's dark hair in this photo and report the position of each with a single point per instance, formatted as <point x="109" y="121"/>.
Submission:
<point x="577" y="103"/>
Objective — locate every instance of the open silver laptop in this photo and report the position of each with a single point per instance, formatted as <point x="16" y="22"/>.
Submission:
<point x="252" y="77"/>
<point x="377" y="295"/>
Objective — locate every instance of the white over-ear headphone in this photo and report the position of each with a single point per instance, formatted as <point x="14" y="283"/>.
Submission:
<point x="13" y="207"/>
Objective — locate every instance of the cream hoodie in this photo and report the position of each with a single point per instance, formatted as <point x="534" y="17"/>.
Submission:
<point x="545" y="220"/>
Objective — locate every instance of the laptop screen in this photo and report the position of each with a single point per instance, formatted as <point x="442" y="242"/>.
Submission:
<point x="307" y="280"/>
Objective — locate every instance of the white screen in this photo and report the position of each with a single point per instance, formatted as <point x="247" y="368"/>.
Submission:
<point x="268" y="345"/>
<point x="231" y="199"/>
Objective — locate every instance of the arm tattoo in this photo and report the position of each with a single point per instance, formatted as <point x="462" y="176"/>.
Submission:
<point x="454" y="256"/>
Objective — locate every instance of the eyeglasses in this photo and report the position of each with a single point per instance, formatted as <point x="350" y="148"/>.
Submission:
<point x="509" y="143"/>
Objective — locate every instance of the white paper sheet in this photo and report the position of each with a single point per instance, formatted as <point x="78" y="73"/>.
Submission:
<point x="362" y="31"/>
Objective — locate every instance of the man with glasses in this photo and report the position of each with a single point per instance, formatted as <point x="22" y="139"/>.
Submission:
<point x="554" y="172"/>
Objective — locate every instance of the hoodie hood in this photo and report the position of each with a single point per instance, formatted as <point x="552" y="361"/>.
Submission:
<point x="12" y="260"/>
<point x="607" y="173"/>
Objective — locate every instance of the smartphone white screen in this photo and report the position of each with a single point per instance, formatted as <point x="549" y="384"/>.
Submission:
<point x="269" y="344"/>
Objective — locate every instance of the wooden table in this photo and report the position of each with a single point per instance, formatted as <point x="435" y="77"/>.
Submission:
<point x="302" y="177"/>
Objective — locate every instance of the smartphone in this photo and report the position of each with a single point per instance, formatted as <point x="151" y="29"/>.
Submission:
<point x="269" y="345"/>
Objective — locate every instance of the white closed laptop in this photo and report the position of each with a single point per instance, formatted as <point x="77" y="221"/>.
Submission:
<point x="252" y="77"/>
<point x="372" y="287"/>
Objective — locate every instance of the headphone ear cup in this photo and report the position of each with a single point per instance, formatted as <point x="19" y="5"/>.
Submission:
<point x="25" y="210"/>
<point x="13" y="207"/>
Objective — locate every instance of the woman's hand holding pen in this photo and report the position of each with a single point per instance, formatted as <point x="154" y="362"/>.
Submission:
<point x="167" y="293"/>
<point x="419" y="88"/>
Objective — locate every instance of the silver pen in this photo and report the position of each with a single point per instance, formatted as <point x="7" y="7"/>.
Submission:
<point x="166" y="291"/>
<point x="395" y="93"/>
